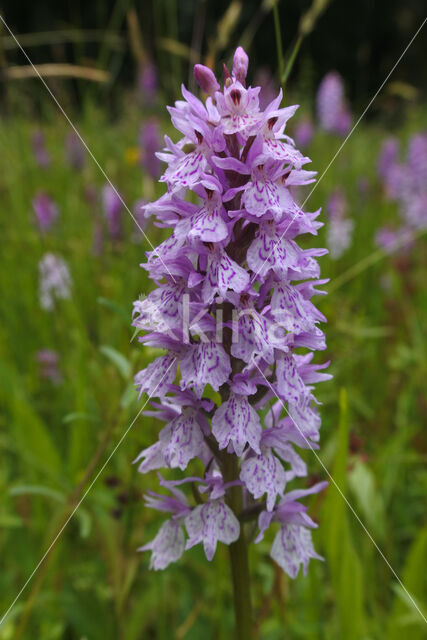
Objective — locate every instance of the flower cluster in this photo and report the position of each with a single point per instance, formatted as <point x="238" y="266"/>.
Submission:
<point x="404" y="183"/>
<point x="340" y="227"/>
<point x="332" y="109"/>
<point x="232" y="311"/>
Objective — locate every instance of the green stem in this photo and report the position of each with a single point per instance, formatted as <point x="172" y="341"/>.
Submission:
<point x="239" y="560"/>
<point x="278" y="40"/>
<point x="285" y="75"/>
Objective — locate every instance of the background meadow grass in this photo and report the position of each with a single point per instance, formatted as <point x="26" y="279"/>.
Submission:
<point x="54" y="438"/>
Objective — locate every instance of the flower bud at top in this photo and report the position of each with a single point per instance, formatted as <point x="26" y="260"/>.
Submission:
<point x="205" y="78"/>
<point x="240" y="65"/>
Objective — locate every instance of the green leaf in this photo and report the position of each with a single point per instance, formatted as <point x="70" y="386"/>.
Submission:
<point x="78" y="415"/>
<point x="342" y="559"/>
<point x="118" y="359"/>
<point x="10" y="521"/>
<point x="405" y="621"/>
<point x="129" y="396"/>
<point x="37" y="490"/>
<point x="31" y="435"/>
<point x="368" y="500"/>
<point x="118" y="310"/>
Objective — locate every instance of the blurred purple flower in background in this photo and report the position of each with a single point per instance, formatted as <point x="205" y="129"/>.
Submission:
<point x="112" y="205"/>
<point x="332" y="109"/>
<point x="75" y="151"/>
<point x="340" y="227"/>
<point x="48" y="361"/>
<point x="150" y="143"/>
<point x="138" y="212"/>
<point x="45" y="209"/>
<point x="388" y="158"/>
<point x="55" y="281"/>
<point x="40" y="152"/>
<point x="303" y="133"/>
<point x="393" y="240"/>
<point x="263" y="78"/>
<point x="406" y="184"/>
<point x="148" y="83"/>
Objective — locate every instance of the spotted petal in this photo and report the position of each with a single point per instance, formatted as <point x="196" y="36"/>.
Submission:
<point x="182" y="439"/>
<point x="291" y="310"/>
<point x="264" y="473"/>
<point x="270" y="250"/>
<point x="305" y="417"/>
<point x="205" y="363"/>
<point x="292" y="547"/>
<point x="237" y="422"/>
<point x="261" y="196"/>
<point x="208" y="225"/>
<point x="250" y="337"/>
<point x="210" y="523"/>
<point x="168" y="545"/>
<point x="289" y="383"/>
<point x="188" y="170"/>
<point x="223" y="274"/>
<point x="285" y="152"/>
<point x="156" y="378"/>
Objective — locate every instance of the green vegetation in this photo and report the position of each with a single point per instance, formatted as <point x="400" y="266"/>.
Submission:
<point x="55" y="438"/>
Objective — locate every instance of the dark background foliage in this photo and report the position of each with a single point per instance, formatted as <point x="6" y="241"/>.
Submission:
<point x="362" y="40"/>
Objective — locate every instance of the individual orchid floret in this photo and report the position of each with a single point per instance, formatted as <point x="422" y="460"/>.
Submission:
<point x="233" y="319"/>
<point x="211" y="523"/>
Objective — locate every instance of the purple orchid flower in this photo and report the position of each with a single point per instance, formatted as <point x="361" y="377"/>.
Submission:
<point x="231" y="309"/>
